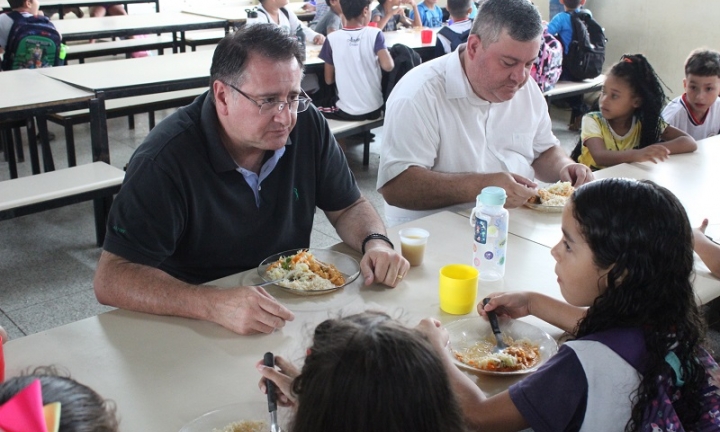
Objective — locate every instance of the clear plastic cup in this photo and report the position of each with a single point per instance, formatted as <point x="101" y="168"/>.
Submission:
<point x="412" y="244"/>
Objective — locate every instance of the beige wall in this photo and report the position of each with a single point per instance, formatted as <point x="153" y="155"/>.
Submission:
<point x="664" y="31"/>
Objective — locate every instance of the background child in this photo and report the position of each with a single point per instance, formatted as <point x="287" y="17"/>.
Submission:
<point x="353" y="58"/>
<point x="367" y="372"/>
<point x="459" y="13"/>
<point x="390" y="15"/>
<point x="276" y="12"/>
<point x="628" y="126"/>
<point x="27" y="8"/>
<point x="332" y="20"/>
<point x="430" y="13"/>
<point x="81" y="408"/>
<point x="629" y="300"/>
<point x="707" y="249"/>
<point x="561" y="27"/>
<point x="697" y="111"/>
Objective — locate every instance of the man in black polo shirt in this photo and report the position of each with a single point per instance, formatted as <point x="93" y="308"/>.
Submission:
<point x="227" y="181"/>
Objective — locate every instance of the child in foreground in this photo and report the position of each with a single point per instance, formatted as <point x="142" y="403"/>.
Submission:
<point x="628" y="127"/>
<point x="697" y="111"/>
<point x="81" y="408"/>
<point x="367" y="372"/>
<point x="628" y="295"/>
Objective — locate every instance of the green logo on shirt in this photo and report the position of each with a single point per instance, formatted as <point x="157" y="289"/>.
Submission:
<point x="297" y="195"/>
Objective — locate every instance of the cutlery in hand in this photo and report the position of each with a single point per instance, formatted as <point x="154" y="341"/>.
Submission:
<point x="269" y="361"/>
<point x="492" y="316"/>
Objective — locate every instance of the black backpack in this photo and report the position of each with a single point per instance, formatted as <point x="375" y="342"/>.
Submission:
<point x="586" y="53"/>
<point x="405" y="59"/>
<point x="455" y="40"/>
<point x="33" y="43"/>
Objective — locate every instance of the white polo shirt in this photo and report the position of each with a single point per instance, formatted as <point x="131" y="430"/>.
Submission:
<point x="435" y="120"/>
<point x="677" y="114"/>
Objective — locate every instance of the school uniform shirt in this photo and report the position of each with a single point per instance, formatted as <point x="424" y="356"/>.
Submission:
<point x="458" y="27"/>
<point x="290" y="23"/>
<point x="353" y="53"/>
<point x="430" y="17"/>
<point x="594" y="125"/>
<point x="392" y="24"/>
<point x="677" y="113"/>
<point x="585" y="387"/>
<point x="434" y="120"/>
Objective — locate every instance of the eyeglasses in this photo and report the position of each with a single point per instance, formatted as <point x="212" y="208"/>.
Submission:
<point x="298" y="105"/>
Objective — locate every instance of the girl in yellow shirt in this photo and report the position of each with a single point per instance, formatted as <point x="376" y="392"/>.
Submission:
<point x="628" y="127"/>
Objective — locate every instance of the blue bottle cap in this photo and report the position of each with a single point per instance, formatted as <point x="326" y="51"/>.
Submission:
<point x="492" y="195"/>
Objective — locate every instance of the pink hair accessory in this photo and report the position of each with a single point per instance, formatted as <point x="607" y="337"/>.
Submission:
<point x="24" y="412"/>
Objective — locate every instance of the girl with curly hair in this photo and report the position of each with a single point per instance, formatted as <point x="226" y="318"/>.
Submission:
<point x="624" y="266"/>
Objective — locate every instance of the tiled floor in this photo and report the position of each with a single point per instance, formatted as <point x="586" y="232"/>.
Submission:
<point x="48" y="259"/>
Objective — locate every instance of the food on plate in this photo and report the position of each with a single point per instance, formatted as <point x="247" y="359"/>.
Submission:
<point x="244" y="426"/>
<point x="555" y="195"/>
<point x="519" y="355"/>
<point x="302" y="271"/>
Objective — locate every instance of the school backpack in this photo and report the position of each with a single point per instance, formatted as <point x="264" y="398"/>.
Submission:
<point x="33" y="43"/>
<point x="660" y="415"/>
<point x="586" y="53"/>
<point x="548" y="66"/>
<point x="455" y="39"/>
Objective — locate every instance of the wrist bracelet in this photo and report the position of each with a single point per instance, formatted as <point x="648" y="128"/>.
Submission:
<point x="376" y="236"/>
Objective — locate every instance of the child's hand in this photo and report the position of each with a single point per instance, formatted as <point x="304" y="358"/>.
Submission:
<point x="319" y="39"/>
<point x="435" y="333"/>
<point x="282" y="378"/>
<point x="653" y="153"/>
<point x="408" y="2"/>
<point x="512" y="304"/>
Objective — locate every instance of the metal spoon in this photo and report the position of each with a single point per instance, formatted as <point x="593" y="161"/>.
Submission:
<point x="269" y="361"/>
<point x="492" y="316"/>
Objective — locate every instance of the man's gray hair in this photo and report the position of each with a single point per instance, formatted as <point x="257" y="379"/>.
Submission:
<point x="520" y="18"/>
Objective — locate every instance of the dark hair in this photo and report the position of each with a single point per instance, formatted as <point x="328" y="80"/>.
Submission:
<point x="520" y="18"/>
<point x="14" y="4"/>
<point x="572" y="4"/>
<point x="353" y="8"/>
<point x="703" y="62"/>
<point x="644" y="82"/>
<point x="641" y="233"/>
<point x="458" y="8"/>
<point x="81" y="408"/>
<point x="232" y="53"/>
<point x="367" y="372"/>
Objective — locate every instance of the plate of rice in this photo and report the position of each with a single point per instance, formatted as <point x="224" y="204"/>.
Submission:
<point x="472" y="341"/>
<point x="235" y="417"/>
<point x="309" y="271"/>
<point x="551" y="198"/>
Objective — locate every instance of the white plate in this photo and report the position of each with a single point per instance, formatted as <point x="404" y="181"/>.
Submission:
<point x="467" y="332"/>
<point x="223" y="416"/>
<point x="545" y="208"/>
<point x="346" y="264"/>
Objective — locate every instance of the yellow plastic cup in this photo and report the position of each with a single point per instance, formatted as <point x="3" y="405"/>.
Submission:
<point x="458" y="288"/>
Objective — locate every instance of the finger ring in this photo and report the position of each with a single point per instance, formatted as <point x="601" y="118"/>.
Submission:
<point x="399" y="276"/>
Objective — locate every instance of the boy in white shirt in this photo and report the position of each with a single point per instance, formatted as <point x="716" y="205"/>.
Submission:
<point x="448" y="38"/>
<point x="697" y="111"/>
<point x="354" y="57"/>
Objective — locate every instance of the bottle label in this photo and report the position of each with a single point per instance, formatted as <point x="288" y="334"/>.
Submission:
<point x="481" y="230"/>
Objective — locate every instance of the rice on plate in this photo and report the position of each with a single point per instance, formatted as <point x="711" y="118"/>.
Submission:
<point x="303" y="272"/>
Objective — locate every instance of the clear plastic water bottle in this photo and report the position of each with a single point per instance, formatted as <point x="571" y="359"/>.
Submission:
<point x="490" y="222"/>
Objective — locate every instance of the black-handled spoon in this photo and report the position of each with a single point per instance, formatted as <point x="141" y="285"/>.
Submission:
<point x="269" y="361"/>
<point x="492" y="316"/>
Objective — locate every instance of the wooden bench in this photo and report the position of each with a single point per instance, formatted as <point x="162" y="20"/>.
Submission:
<point x="193" y="39"/>
<point x="96" y="181"/>
<point x="566" y="89"/>
<point x="345" y="128"/>
<point x="122" y="46"/>
<point x="123" y="107"/>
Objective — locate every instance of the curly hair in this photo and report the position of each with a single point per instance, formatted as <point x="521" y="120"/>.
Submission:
<point x="644" y="82"/>
<point x="368" y="372"/>
<point x="640" y="231"/>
